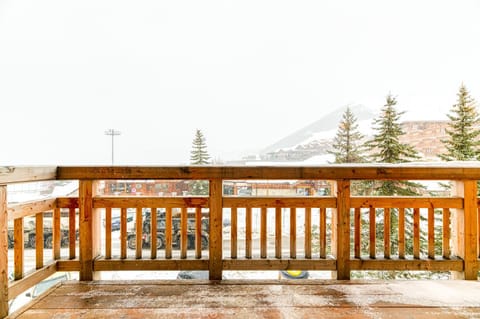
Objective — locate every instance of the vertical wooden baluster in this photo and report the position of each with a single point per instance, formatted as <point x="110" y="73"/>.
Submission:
<point x="416" y="233"/>
<point x="446" y="233"/>
<point x="183" y="233"/>
<point x="198" y="232"/>
<point x="72" y="232"/>
<point x="278" y="232"/>
<point x="293" y="232"/>
<point x="153" y="233"/>
<point x="308" y="233"/>
<point x="18" y="249"/>
<point x="138" y="233"/>
<point x="401" y="233"/>
<point x="357" y="232"/>
<point x="168" y="233"/>
<point x="39" y="240"/>
<point x="373" y="233"/>
<point x="89" y="227"/>
<point x="248" y="233"/>
<point x="216" y="223"/>
<point x="263" y="232"/>
<point x="233" y="233"/>
<point x="123" y="233"/>
<point x="386" y="232"/>
<point x="341" y="229"/>
<point x="57" y="233"/>
<point x="431" y="233"/>
<point x="323" y="232"/>
<point x="108" y="233"/>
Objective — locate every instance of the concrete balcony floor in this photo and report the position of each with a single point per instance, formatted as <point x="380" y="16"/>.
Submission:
<point x="257" y="299"/>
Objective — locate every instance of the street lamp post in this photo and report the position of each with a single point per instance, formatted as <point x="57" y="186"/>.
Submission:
<point x="112" y="133"/>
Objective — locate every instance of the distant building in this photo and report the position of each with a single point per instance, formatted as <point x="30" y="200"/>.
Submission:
<point x="426" y="137"/>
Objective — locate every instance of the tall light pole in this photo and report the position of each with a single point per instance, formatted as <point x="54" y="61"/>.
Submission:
<point x="113" y="133"/>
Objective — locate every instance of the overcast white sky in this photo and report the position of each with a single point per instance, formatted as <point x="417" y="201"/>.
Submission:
<point x="247" y="73"/>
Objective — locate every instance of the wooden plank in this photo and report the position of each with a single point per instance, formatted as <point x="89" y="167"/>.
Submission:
<point x="271" y="202"/>
<point x="68" y="265"/>
<point x="436" y="171"/>
<point x="446" y="233"/>
<point x="342" y="229"/>
<point x="18" y="287"/>
<point x="108" y="233"/>
<point x="293" y="233"/>
<point x="248" y="233"/>
<point x="138" y="232"/>
<point x="57" y="235"/>
<point x="85" y="199"/>
<point x="416" y="233"/>
<point x="123" y="233"/>
<point x="153" y="232"/>
<point x="386" y="232"/>
<point x="144" y="201"/>
<point x="150" y="264"/>
<point x="72" y="232"/>
<point x="279" y="264"/>
<point x="401" y="233"/>
<point x="407" y="264"/>
<point x="183" y="233"/>
<point x="466" y="221"/>
<point x="233" y="232"/>
<point x="168" y="233"/>
<point x="198" y="233"/>
<point x="3" y="252"/>
<point x="263" y="232"/>
<point x="39" y="241"/>
<point x="19" y="174"/>
<point x="407" y="202"/>
<point x="323" y="233"/>
<point x="278" y="232"/>
<point x="431" y="232"/>
<point x="31" y="208"/>
<point x="357" y="224"/>
<point x="67" y="202"/>
<point x="373" y="232"/>
<point x="18" y="249"/>
<point x="216" y="226"/>
<point x="308" y="233"/>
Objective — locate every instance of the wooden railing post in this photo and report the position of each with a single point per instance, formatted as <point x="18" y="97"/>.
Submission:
<point x="465" y="229"/>
<point x="3" y="252"/>
<point x="341" y="229"/>
<point x="89" y="230"/>
<point x="215" y="249"/>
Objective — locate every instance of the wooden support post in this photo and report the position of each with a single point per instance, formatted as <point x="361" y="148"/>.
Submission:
<point x="18" y="249"/>
<point x="215" y="249"/>
<point x="89" y="225"/>
<point x="3" y="252"/>
<point x="57" y="233"/>
<point x="465" y="222"/>
<point x="341" y="230"/>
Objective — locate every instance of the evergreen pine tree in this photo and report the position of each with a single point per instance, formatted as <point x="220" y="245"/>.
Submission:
<point x="199" y="156"/>
<point x="462" y="143"/>
<point x="346" y="144"/>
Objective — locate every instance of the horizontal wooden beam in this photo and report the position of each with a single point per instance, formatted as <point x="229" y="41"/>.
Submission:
<point x="407" y="202"/>
<point x="138" y="201"/>
<point x="407" y="264"/>
<point x="17" y="287"/>
<point x="68" y="265"/>
<point x="147" y="264"/>
<point x="279" y="264"/>
<point x="19" y="174"/>
<point x="318" y="202"/>
<point x="422" y="171"/>
<point x="31" y="208"/>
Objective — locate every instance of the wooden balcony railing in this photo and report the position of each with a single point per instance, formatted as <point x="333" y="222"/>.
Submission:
<point x="339" y="232"/>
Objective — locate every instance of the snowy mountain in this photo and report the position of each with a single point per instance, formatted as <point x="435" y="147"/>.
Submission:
<point x="314" y="140"/>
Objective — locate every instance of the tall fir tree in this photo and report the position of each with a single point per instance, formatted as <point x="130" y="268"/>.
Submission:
<point x="385" y="147"/>
<point x="199" y="156"/>
<point x="462" y="142"/>
<point x="346" y="145"/>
